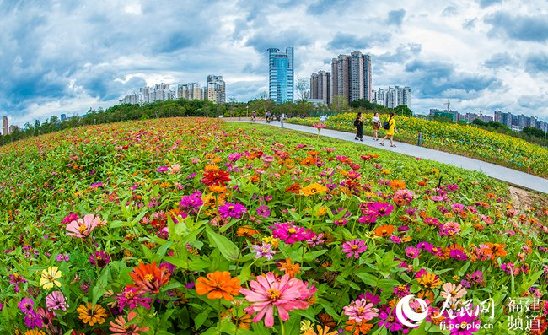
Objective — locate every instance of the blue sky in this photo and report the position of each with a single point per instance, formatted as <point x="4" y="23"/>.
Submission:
<point x="67" y="56"/>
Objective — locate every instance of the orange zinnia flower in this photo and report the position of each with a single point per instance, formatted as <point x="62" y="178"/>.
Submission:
<point x="218" y="285"/>
<point x="430" y="281"/>
<point x="384" y="230"/>
<point x="357" y="328"/>
<point x="497" y="249"/>
<point x="149" y="277"/>
<point x="294" y="188"/>
<point x="289" y="267"/>
<point x="246" y="231"/>
<point x="397" y="184"/>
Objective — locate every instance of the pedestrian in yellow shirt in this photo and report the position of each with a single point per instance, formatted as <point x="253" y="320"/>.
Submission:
<point x="390" y="127"/>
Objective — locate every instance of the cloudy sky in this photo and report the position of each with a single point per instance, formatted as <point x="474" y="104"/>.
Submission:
<point x="67" y="56"/>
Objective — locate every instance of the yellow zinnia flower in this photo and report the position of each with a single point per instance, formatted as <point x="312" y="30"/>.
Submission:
<point x="91" y="314"/>
<point x="49" y="277"/>
<point x="306" y="326"/>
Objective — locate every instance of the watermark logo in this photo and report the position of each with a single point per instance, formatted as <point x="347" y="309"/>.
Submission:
<point x="405" y="313"/>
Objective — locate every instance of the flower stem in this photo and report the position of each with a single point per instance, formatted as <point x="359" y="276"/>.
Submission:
<point x="282" y="325"/>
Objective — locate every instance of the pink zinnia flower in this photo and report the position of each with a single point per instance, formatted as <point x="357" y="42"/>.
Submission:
<point x="453" y="292"/>
<point x="283" y="294"/>
<point x="354" y="248"/>
<point x="360" y="310"/>
<point x="264" y="250"/>
<point x="449" y="229"/>
<point x="55" y="300"/>
<point x="83" y="227"/>
<point x="291" y="233"/>
<point x="230" y="210"/>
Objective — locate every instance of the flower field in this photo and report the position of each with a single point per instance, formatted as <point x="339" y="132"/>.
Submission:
<point x="461" y="139"/>
<point x="196" y="226"/>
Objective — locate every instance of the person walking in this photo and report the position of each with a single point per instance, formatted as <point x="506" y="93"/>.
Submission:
<point x="390" y="127"/>
<point x="358" y="123"/>
<point x="253" y="116"/>
<point x="376" y="126"/>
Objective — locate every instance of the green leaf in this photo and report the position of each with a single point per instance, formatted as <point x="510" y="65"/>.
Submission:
<point x="201" y="318"/>
<point x="368" y="279"/>
<point x="100" y="286"/>
<point x="312" y="255"/>
<point x="228" y="249"/>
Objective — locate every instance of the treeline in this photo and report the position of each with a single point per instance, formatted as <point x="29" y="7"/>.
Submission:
<point x="159" y="109"/>
<point x="184" y="107"/>
<point x="530" y="134"/>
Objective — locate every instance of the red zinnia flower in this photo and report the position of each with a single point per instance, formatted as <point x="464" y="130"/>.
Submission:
<point x="215" y="178"/>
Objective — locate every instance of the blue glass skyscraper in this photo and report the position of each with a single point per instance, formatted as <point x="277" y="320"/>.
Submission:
<point x="280" y="75"/>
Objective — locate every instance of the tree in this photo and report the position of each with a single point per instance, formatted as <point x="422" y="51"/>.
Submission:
<point x="339" y="103"/>
<point x="534" y="132"/>
<point x="403" y="110"/>
<point x="302" y="89"/>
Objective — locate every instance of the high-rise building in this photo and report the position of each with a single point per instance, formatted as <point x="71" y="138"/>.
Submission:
<point x="504" y="118"/>
<point x="63" y="117"/>
<point x="5" y="126"/>
<point x="406" y="97"/>
<point x="320" y="86"/>
<point x="280" y="75"/>
<point x="393" y="96"/>
<point x="351" y="77"/>
<point x="216" y="89"/>
<point x="190" y="91"/>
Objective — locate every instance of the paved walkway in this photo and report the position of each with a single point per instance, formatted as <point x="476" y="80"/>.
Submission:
<point x="515" y="177"/>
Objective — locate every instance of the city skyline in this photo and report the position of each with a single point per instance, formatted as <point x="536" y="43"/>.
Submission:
<point x="63" y="57"/>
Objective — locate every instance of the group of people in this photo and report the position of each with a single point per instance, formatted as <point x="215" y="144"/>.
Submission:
<point x="389" y="126"/>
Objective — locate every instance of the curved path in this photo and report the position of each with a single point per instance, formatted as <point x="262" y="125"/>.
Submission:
<point x="514" y="177"/>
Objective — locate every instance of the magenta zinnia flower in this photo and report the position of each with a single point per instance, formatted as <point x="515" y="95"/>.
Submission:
<point x="230" y="210"/>
<point x="354" y="248"/>
<point x="162" y="168"/>
<point x="191" y="203"/>
<point x="360" y="310"/>
<point x="26" y="305"/>
<point x="263" y="211"/>
<point x="465" y="324"/>
<point x="388" y="320"/>
<point x="291" y="233"/>
<point x="132" y="297"/>
<point x="69" y="218"/>
<point x="83" y="227"/>
<point x="379" y="208"/>
<point x="55" y="300"/>
<point x="99" y="258"/>
<point x="33" y="320"/>
<point x="283" y="294"/>
<point x="412" y="252"/>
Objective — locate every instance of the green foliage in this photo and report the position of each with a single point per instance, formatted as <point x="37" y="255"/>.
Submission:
<point x="48" y="177"/>
<point x="467" y="140"/>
